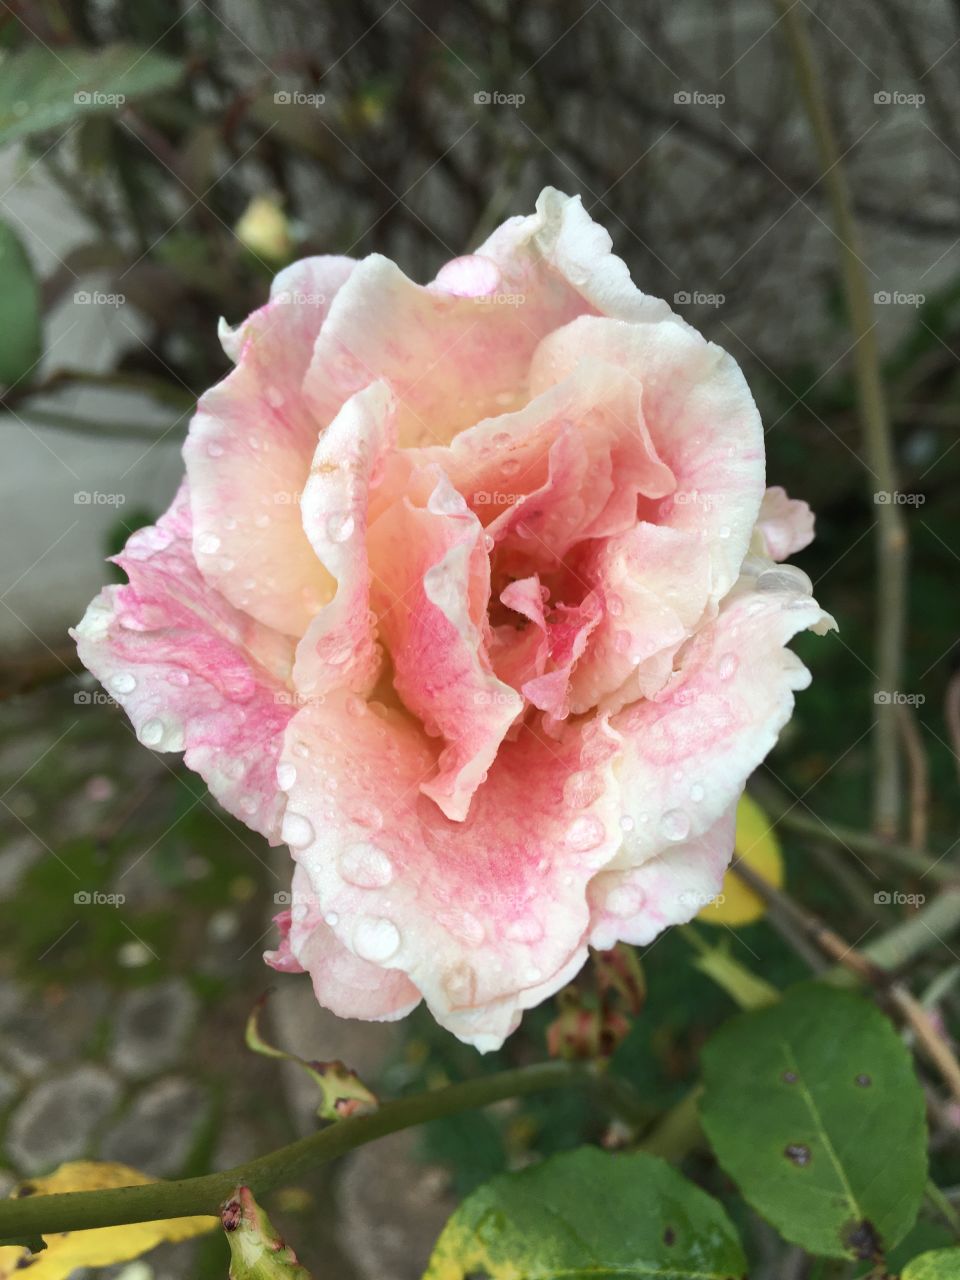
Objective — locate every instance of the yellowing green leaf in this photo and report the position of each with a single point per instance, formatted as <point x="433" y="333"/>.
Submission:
<point x="757" y="847"/>
<point x="941" y="1264"/>
<point x="256" y="1251"/>
<point x="101" y="1246"/>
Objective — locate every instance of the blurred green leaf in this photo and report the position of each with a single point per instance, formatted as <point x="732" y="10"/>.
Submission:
<point x="21" y="338"/>
<point x="942" y="1264"/>
<point x="589" y="1213"/>
<point x="44" y="88"/>
<point x="813" y="1107"/>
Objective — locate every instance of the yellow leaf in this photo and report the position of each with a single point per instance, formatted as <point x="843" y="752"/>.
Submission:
<point x="101" y="1246"/>
<point x="757" y="847"/>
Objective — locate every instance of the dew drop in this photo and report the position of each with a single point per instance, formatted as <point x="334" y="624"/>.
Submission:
<point x="340" y="526"/>
<point x="331" y="918"/>
<point x="215" y="450"/>
<point x="123" y="682"/>
<point x="728" y="666"/>
<point x="581" y="789"/>
<point x="376" y="938"/>
<point x="697" y="793"/>
<point x="365" y="866"/>
<point x="625" y="900"/>
<point x="356" y="706"/>
<point x="262" y="520"/>
<point x="179" y="678"/>
<point x="286" y="775"/>
<point x="614" y="606"/>
<point x="627" y="823"/>
<point x="209" y="544"/>
<point x="675" y="825"/>
<point x="585" y="833"/>
<point x="297" y="831"/>
<point x="248" y="805"/>
<point x="151" y="733"/>
<point x="367" y="815"/>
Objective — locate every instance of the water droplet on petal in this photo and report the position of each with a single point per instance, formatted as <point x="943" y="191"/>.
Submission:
<point x="675" y="825"/>
<point x="376" y="938"/>
<point x="122" y="682"/>
<point x="151" y="733"/>
<point x="366" y="814"/>
<point x="286" y="775"/>
<point x="179" y="678"/>
<point x="209" y="544"/>
<point x="297" y="831"/>
<point x="624" y="900"/>
<point x="340" y="526"/>
<point x="331" y="918"/>
<point x="627" y="823"/>
<point x="585" y="833"/>
<point x="581" y="789"/>
<point x="365" y="866"/>
<point x="697" y="793"/>
<point x="728" y="666"/>
<point x="614" y="606"/>
<point x="214" y="450"/>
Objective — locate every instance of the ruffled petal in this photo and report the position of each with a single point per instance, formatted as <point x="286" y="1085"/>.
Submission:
<point x="193" y="673"/>
<point x="339" y="649"/>
<point x="636" y="905"/>
<point x="784" y="525"/>
<point x="487" y="916"/>
<point x="431" y="600"/>
<point x="689" y="750"/>
<point x="342" y="982"/>
<point x="248" y="454"/>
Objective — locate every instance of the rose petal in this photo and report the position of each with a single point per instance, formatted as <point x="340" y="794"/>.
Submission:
<point x="784" y="525"/>
<point x="339" y="649"/>
<point x="193" y="673"/>
<point x="487" y="916"/>
<point x="248" y="454"/>
<point x="431" y="601"/>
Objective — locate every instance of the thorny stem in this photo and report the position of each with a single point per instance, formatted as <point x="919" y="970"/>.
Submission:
<point x="892" y="536"/>
<point x="30" y="1216"/>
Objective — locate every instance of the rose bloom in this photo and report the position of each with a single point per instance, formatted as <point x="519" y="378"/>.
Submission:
<point x="469" y="597"/>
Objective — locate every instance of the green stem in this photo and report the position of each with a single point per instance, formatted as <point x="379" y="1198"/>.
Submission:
<point x="871" y="401"/>
<point x="31" y="1216"/>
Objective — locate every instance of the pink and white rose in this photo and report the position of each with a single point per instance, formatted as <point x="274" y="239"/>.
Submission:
<point x="469" y="597"/>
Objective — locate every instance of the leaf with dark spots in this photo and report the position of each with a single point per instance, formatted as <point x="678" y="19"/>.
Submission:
<point x="862" y="1240"/>
<point x="797" y="1153"/>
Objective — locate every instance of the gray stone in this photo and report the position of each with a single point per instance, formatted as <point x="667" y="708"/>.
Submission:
<point x="151" y="1028"/>
<point x="9" y="1088"/>
<point x="58" y="1118"/>
<point x="41" y="1035"/>
<point x="158" y="1131"/>
<point x="19" y="855"/>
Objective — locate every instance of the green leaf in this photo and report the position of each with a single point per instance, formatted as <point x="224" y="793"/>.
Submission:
<point x="942" y="1264"/>
<point x="813" y="1107"/>
<point x="589" y="1213"/>
<point x="44" y="88"/>
<point x="20" y="332"/>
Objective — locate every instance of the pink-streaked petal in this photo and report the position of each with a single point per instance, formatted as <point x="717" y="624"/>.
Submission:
<point x="339" y="648"/>
<point x="248" y="454"/>
<point x="689" y="751"/>
<point x="472" y="276"/>
<point x="638" y="904"/>
<point x="342" y="982"/>
<point x="568" y="631"/>
<point x="193" y="673"/>
<point x="784" y="526"/>
<point x="485" y="916"/>
<point x="431" y="602"/>
<point x="701" y="418"/>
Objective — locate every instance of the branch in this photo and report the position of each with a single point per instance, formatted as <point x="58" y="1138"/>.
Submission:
<point x="892" y="536"/>
<point x="81" y="1210"/>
